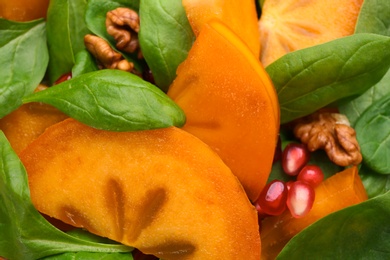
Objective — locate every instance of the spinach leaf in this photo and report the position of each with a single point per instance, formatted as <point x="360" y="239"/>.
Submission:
<point x="374" y="17"/>
<point x="84" y="63"/>
<point x="358" y="232"/>
<point x="373" y="135"/>
<point x="25" y="234"/>
<point x="355" y="108"/>
<point x="312" y="78"/>
<point x="65" y="34"/>
<point x="23" y="60"/>
<point x="165" y="37"/>
<point x="113" y="100"/>
<point x="95" y="18"/>
<point x="375" y="184"/>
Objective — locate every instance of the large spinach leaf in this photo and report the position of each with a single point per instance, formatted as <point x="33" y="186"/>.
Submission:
<point x="312" y="78"/>
<point x="25" y="234"/>
<point x="95" y="18"/>
<point x="373" y="134"/>
<point x="375" y="184"/>
<point x="374" y="17"/>
<point x="113" y="100"/>
<point x="165" y="38"/>
<point x="358" y="232"/>
<point x="65" y="34"/>
<point x="23" y="60"/>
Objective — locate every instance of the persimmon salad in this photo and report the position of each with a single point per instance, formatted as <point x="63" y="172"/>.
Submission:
<point x="195" y="129"/>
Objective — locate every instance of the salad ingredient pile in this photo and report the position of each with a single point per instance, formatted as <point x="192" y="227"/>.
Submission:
<point x="194" y="129"/>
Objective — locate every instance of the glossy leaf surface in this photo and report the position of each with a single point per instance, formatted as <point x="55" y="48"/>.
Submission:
<point x="312" y="78"/>
<point x="23" y="60"/>
<point x="112" y="100"/>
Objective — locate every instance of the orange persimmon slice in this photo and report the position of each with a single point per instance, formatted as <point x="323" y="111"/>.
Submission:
<point x="162" y="191"/>
<point x="230" y="103"/>
<point x="289" y="25"/>
<point x="25" y="124"/>
<point x="240" y="16"/>
<point x="335" y="193"/>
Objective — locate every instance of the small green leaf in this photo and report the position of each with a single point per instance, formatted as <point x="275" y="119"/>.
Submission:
<point x="374" y="17"/>
<point x="312" y="78"/>
<point x="165" y="38"/>
<point x="65" y="34"/>
<point x="373" y="134"/>
<point x="357" y="232"/>
<point x="113" y="100"/>
<point x="375" y="183"/>
<point x="25" y="233"/>
<point x="23" y="60"/>
<point x="84" y="63"/>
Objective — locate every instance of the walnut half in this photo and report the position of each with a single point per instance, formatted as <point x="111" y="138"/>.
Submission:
<point x="331" y="132"/>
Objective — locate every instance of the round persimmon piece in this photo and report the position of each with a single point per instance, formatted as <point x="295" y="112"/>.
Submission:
<point x="162" y="191"/>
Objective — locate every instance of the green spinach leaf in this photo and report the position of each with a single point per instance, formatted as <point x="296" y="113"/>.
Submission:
<point x="165" y="37"/>
<point x="373" y="134"/>
<point x="90" y="256"/>
<point x="312" y="78"/>
<point x="95" y="18"/>
<point x="65" y="34"/>
<point x="23" y="60"/>
<point x="374" y="17"/>
<point x="358" y="232"/>
<point x="25" y="233"/>
<point x="375" y="184"/>
<point x="113" y="100"/>
<point x="84" y="63"/>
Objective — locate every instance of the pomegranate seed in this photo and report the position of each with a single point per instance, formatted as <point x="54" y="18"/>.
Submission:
<point x="65" y="77"/>
<point x="294" y="157"/>
<point x="288" y="184"/>
<point x="300" y="198"/>
<point x="312" y="174"/>
<point x="272" y="199"/>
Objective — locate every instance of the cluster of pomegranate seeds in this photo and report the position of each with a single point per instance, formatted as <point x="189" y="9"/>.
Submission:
<point x="297" y="195"/>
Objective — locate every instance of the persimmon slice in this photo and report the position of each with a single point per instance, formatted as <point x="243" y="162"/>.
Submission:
<point x="240" y="16"/>
<point x="162" y="191"/>
<point x="230" y="103"/>
<point x="289" y="25"/>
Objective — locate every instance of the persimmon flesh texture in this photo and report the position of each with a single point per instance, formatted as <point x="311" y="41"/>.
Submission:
<point x="29" y="121"/>
<point x="162" y="191"/>
<point x="240" y="16"/>
<point x="289" y="25"/>
<point x="230" y="103"/>
<point x="23" y="10"/>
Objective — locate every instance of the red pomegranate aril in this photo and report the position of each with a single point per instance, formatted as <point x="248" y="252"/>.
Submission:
<point x="294" y="157"/>
<point x="311" y="174"/>
<point x="272" y="199"/>
<point x="64" y="77"/>
<point x="300" y="199"/>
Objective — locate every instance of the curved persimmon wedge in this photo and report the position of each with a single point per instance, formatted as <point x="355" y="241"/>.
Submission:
<point x="240" y="16"/>
<point x="289" y="25"/>
<point x="162" y="191"/>
<point x="230" y="103"/>
<point x="26" y="123"/>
